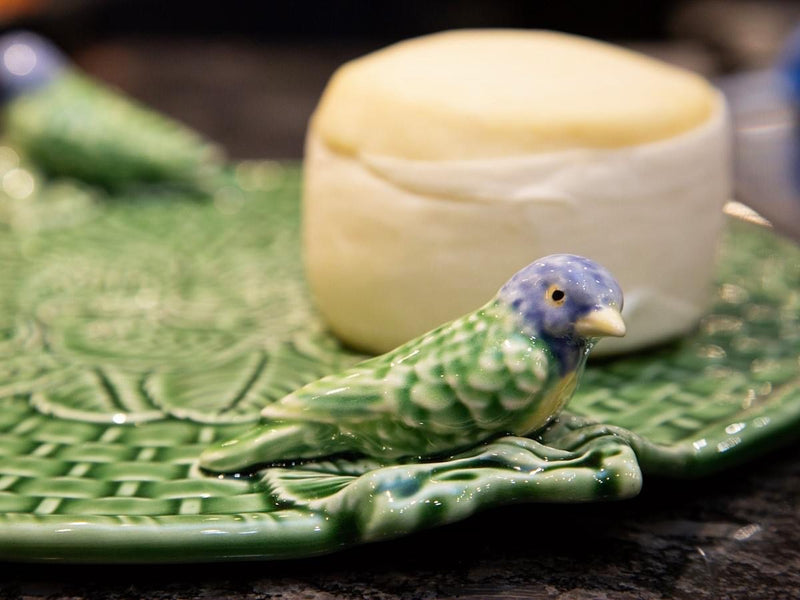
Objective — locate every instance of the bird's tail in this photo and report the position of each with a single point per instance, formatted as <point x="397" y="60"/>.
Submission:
<point x="270" y="444"/>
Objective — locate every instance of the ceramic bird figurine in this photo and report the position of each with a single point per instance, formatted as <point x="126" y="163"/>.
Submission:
<point x="71" y="125"/>
<point x="507" y="368"/>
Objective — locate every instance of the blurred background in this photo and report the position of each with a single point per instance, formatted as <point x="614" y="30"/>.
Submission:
<point x="248" y="74"/>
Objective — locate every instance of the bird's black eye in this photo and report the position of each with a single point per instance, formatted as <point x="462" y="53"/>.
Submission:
<point x="555" y="295"/>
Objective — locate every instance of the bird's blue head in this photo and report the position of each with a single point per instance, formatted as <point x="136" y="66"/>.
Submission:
<point x="27" y="62"/>
<point x="566" y="299"/>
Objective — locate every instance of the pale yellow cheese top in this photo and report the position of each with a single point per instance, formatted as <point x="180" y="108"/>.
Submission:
<point x="471" y="94"/>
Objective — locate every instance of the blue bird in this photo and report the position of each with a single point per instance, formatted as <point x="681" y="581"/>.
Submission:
<point x="507" y="368"/>
<point x="72" y="126"/>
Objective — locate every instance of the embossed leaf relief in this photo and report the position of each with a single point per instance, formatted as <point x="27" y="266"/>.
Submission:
<point x="155" y="309"/>
<point x="236" y="390"/>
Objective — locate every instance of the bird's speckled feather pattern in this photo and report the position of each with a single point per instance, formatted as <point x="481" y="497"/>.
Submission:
<point x="453" y="387"/>
<point x="508" y="367"/>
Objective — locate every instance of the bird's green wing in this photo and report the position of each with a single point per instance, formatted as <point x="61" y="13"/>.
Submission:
<point x="351" y="396"/>
<point x="452" y="387"/>
<point x="373" y="389"/>
<point x="482" y="377"/>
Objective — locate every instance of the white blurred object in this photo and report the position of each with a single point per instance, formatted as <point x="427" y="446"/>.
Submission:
<point x="766" y="146"/>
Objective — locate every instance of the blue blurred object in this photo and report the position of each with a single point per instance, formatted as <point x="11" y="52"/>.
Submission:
<point x="765" y="107"/>
<point x="70" y="125"/>
<point x="789" y="67"/>
<point x="27" y="62"/>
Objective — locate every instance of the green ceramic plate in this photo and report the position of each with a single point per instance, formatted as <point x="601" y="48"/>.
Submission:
<point x="134" y="332"/>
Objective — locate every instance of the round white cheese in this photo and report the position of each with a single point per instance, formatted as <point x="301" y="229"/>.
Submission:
<point x="487" y="93"/>
<point x="403" y="232"/>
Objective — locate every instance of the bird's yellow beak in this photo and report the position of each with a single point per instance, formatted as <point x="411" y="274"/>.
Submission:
<point x="605" y="321"/>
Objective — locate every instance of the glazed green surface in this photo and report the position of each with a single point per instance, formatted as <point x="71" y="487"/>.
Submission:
<point x="148" y="326"/>
<point x="77" y="127"/>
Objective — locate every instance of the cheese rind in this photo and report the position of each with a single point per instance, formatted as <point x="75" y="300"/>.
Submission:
<point x="489" y="93"/>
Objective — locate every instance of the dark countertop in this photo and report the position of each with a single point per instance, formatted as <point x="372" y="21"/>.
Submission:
<point x="735" y="535"/>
